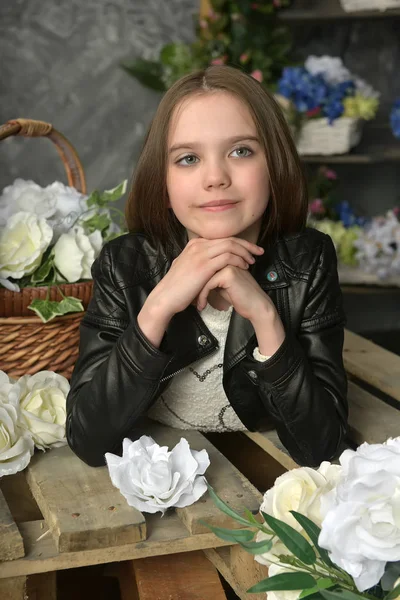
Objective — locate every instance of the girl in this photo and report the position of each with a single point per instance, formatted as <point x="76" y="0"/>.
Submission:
<point x="220" y="311"/>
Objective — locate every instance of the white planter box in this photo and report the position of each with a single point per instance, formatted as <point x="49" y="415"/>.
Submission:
<point x="317" y="136"/>
<point x="355" y="5"/>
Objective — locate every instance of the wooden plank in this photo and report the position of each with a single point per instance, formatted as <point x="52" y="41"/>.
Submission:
<point x="370" y="419"/>
<point x="239" y="569"/>
<point x="11" y="544"/>
<point x="270" y="442"/>
<point x="13" y="589"/>
<point x="19" y="498"/>
<point x="81" y="506"/>
<point x="184" y="576"/>
<point x="166" y="536"/>
<point x="42" y="586"/>
<point x="372" y="364"/>
<point x="227" y="481"/>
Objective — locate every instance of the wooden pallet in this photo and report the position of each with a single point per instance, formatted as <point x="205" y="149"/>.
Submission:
<point x="84" y="520"/>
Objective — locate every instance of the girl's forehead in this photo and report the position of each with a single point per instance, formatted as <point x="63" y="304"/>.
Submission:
<point x="211" y="109"/>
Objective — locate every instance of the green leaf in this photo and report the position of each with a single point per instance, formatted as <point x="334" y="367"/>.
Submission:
<point x="313" y="532"/>
<point x="292" y="539"/>
<point x="257" y="547"/>
<point x="147" y="72"/>
<point x="252" y="518"/>
<point x="70" y="304"/>
<point x="231" y="535"/>
<point x="226" y="509"/>
<point x="43" y="271"/>
<point x="284" y="581"/>
<point x="96" y="222"/>
<point x="322" y="584"/>
<point x="94" y="199"/>
<point x="393" y="594"/>
<point x="49" y="309"/>
<point x="115" y="193"/>
<point x="45" y="309"/>
<point x="390" y="576"/>
<point x="341" y="594"/>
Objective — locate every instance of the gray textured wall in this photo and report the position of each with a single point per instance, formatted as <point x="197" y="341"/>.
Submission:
<point x="59" y="62"/>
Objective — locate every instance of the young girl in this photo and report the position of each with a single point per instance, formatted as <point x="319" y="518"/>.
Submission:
<point x="220" y="311"/>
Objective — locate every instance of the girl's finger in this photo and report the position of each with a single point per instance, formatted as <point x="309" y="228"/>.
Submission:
<point x="211" y="285"/>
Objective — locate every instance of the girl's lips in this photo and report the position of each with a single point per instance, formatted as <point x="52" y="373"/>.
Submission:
<point x="218" y="207"/>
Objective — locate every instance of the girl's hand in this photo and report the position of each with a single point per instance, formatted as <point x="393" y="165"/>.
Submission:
<point x="250" y="301"/>
<point x="200" y="260"/>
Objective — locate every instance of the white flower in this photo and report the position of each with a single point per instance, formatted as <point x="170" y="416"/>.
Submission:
<point x="299" y="490"/>
<point x="378" y="246"/>
<point x="42" y="398"/>
<point x="152" y="479"/>
<point x="22" y="244"/>
<point x="332" y="68"/>
<point x="69" y="205"/>
<point x="16" y="446"/>
<point x="285" y="594"/>
<point x="361" y="529"/>
<point x="75" y="252"/>
<point x="25" y="196"/>
<point x="13" y="287"/>
<point x="61" y="205"/>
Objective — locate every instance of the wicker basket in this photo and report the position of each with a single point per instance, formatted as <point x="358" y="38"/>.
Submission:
<point x="317" y="136"/>
<point x="356" y="5"/>
<point x="27" y="345"/>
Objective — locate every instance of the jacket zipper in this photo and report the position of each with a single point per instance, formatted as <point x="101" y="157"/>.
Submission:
<point x="185" y="367"/>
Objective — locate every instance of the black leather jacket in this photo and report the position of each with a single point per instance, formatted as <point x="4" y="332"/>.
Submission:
<point x="301" y="389"/>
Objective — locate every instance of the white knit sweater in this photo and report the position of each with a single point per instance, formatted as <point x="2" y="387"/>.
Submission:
<point x="195" y="398"/>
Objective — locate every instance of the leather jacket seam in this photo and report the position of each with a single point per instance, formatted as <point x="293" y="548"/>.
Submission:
<point x="335" y="318"/>
<point x="91" y="318"/>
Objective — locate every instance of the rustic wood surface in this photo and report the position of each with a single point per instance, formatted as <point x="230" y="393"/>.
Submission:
<point x="11" y="544"/>
<point x="79" y="503"/>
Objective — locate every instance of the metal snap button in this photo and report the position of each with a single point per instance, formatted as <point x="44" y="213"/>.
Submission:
<point x="203" y="340"/>
<point x="253" y="375"/>
<point x="272" y="276"/>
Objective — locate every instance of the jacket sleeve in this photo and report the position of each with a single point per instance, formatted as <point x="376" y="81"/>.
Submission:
<point x="117" y="374"/>
<point x="303" y="386"/>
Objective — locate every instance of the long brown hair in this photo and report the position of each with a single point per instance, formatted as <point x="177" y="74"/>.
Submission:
<point x="147" y="206"/>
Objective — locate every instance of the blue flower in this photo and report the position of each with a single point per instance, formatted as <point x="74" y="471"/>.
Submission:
<point x="395" y="118"/>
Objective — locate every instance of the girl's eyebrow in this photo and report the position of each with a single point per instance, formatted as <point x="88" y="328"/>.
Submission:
<point x="231" y="140"/>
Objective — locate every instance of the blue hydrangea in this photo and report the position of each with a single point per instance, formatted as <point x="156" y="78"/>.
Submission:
<point x="395" y="118"/>
<point x="309" y="92"/>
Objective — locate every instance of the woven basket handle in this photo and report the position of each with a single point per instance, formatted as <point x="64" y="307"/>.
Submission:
<point x="31" y="128"/>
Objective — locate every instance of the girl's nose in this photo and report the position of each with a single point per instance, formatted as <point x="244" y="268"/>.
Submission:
<point x="216" y="176"/>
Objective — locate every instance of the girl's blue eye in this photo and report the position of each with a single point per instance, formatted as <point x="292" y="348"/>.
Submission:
<point x="190" y="160"/>
<point x="244" y="152"/>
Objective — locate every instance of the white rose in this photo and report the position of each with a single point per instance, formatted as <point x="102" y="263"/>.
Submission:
<point x="278" y="548"/>
<point x="152" y="479"/>
<point x="42" y="399"/>
<point x="361" y="529"/>
<point x="284" y="594"/>
<point x="331" y="67"/>
<point x="26" y="196"/>
<point x="16" y="446"/>
<point x="22" y="244"/>
<point x="75" y="252"/>
<point x="298" y="490"/>
<point x="69" y="205"/>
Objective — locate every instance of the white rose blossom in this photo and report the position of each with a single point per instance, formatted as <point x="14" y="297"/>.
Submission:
<point x="299" y="490"/>
<point x="361" y="528"/>
<point x="75" y="252"/>
<point x="334" y="71"/>
<point x="153" y="479"/>
<point x="22" y="244"/>
<point x="16" y="445"/>
<point x="42" y="400"/>
<point x="378" y="246"/>
<point x="61" y="205"/>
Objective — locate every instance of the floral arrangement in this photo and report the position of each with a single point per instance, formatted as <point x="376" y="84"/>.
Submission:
<point x="331" y="533"/>
<point x="324" y="87"/>
<point x="51" y="236"/>
<point x="395" y="118"/>
<point x="32" y="413"/>
<point x="244" y="34"/>
<point x="152" y="479"/>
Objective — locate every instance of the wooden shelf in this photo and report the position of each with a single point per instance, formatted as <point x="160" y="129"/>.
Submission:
<point x="321" y="10"/>
<point x="378" y="145"/>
